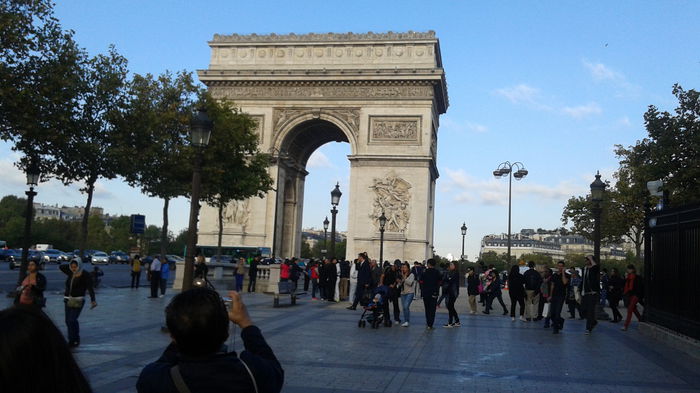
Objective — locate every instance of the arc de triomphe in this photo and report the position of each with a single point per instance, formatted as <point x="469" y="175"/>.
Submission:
<point x="381" y="93"/>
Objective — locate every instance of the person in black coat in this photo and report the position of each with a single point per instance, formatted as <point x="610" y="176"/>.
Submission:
<point x="364" y="279"/>
<point x="77" y="283"/>
<point x="473" y="283"/>
<point x="516" y="291"/>
<point x="31" y="292"/>
<point x="198" y="321"/>
<point x="452" y="291"/>
<point x="331" y="277"/>
<point x="431" y="280"/>
<point x="616" y="285"/>
<point x="253" y="273"/>
<point x="590" y="289"/>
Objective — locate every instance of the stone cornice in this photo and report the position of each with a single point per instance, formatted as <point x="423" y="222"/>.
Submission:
<point x="323" y="37"/>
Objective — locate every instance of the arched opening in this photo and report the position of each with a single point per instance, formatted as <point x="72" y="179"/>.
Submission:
<point x="297" y="148"/>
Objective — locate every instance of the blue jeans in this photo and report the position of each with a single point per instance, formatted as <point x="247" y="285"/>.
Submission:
<point x="239" y="282"/>
<point x="72" y="315"/>
<point x="406" y="304"/>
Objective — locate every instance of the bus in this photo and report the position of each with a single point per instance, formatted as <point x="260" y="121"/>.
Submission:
<point x="232" y="254"/>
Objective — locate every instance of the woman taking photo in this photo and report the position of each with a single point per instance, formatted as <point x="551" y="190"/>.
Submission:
<point x="31" y="292"/>
<point x="452" y="288"/>
<point x="408" y="291"/>
<point x="77" y="283"/>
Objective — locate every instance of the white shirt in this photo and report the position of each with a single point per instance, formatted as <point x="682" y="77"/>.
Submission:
<point x="155" y="265"/>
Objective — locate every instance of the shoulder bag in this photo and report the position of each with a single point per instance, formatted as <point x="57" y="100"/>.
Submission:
<point x="74" y="301"/>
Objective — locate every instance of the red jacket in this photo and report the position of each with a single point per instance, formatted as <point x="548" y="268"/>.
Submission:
<point x="284" y="271"/>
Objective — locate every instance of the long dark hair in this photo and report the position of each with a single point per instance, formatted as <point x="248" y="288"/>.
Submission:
<point x="34" y="356"/>
<point x="514" y="270"/>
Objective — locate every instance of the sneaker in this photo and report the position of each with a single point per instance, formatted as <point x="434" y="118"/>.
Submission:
<point x="456" y="324"/>
<point x="587" y="333"/>
<point x="486" y="312"/>
<point x="447" y="325"/>
<point x="429" y="328"/>
<point x="512" y="319"/>
<point x="523" y="319"/>
<point x="350" y="308"/>
<point x="472" y="312"/>
<point x="624" y="328"/>
<point x="405" y="324"/>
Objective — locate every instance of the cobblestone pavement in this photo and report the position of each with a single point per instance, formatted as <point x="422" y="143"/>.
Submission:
<point x="322" y="350"/>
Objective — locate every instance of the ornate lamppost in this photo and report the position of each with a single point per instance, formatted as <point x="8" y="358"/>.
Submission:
<point x="506" y="168"/>
<point x="200" y="132"/>
<point x="325" y="237"/>
<point x="597" y="196"/>
<point x="335" y="200"/>
<point x="382" y="225"/>
<point x="33" y="175"/>
<point x="464" y="234"/>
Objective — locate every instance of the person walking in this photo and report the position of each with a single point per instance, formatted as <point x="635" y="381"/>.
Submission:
<point x="240" y="274"/>
<point x="634" y="291"/>
<point x="431" y="280"/>
<point x="493" y="291"/>
<point x="558" y="285"/>
<point x="31" y="292"/>
<point x="135" y="271"/>
<point x="314" y="279"/>
<point x="307" y="276"/>
<point x="77" y="283"/>
<point x="445" y="283"/>
<point x="408" y="292"/>
<point x="616" y="285"/>
<point x="154" y="276"/>
<point x="533" y="282"/>
<point x="295" y="273"/>
<point x="544" y="294"/>
<point x="417" y="271"/>
<point x="591" y="291"/>
<point x="164" y="276"/>
<point x="516" y="291"/>
<point x="352" y="282"/>
<point x="253" y="274"/>
<point x="473" y="284"/>
<point x="452" y="294"/>
<point x="573" y="295"/>
<point x="364" y="279"/>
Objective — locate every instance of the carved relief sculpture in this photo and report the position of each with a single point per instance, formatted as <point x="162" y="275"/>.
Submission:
<point x="391" y="196"/>
<point x="237" y="213"/>
<point x="395" y="129"/>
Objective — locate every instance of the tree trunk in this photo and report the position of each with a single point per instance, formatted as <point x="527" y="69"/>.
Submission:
<point x="86" y="217"/>
<point x="639" y="239"/>
<point x="221" y="230"/>
<point x="164" y="231"/>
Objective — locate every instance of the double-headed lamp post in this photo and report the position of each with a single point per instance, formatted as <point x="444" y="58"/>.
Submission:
<point x="335" y="200"/>
<point x="33" y="175"/>
<point x="382" y="226"/>
<point x="200" y="132"/>
<point x="506" y="168"/>
<point x="325" y="237"/>
<point x="464" y="235"/>
<point x="597" y="196"/>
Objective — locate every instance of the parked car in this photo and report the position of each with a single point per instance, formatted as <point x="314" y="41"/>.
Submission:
<point x="221" y="259"/>
<point x="65" y="257"/>
<point x="16" y="259"/>
<point x="175" y="258"/>
<point x="118" y="257"/>
<point x="5" y="254"/>
<point x="149" y="259"/>
<point x="51" y="256"/>
<point x="99" y="258"/>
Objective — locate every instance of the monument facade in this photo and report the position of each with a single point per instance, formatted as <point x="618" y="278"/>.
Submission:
<point x="381" y="93"/>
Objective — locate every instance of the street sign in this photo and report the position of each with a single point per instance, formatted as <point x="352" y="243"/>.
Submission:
<point x="138" y="224"/>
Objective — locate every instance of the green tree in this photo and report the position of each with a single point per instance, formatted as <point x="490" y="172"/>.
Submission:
<point x="84" y="151"/>
<point x="233" y="169"/>
<point x="670" y="150"/>
<point x="306" y="250"/>
<point x="156" y="121"/>
<point x="539" y="259"/>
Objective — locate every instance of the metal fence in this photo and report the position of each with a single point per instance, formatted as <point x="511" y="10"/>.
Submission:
<point x="672" y="269"/>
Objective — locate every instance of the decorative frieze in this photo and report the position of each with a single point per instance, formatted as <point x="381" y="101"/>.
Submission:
<point x="392" y="197"/>
<point x="324" y="37"/>
<point x="322" y="92"/>
<point x="401" y="129"/>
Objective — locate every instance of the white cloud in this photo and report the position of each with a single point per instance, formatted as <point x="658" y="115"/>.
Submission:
<point x="581" y="111"/>
<point x="451" y="125"/>
<point x="11" y="176"/>
<point x="319" y="160"/>
<point x="519" y="94"/>
<point x="624" y="122"/>
<point x="601" y="72"/>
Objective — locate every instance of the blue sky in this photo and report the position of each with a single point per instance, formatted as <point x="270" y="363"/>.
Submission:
<point x="553" y="84"/>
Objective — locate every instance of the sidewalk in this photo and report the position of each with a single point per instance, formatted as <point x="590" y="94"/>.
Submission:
<point x="322" y="350"/>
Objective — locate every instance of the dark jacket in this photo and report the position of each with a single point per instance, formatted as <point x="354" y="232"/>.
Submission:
<point x="516" y="285"/>
<point x="221" y="372"/>
<point x="591" y="279"/>
<point x="376" y="274"/>
<point x="331" y="273"/>
<point x="431" y="280"/>
<point x="80" y="284"/>
<point x="37" y="291"/>
<point x="452" y="283"/>
<point x="201" y="270"/>
<point x="344" y="269"/>
<point x="473" y="283"/>
<point x="364" y="274"/>
<point x="616" y="285"/>
<point x="253" y="269"/>
<point x="532" y="280"/>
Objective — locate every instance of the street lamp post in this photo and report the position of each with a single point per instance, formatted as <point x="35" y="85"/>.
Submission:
<point x="200" y="132"/>
<point x="464" y="235"/>
<point x="335" y="200"/>
<point x="597" y="195"/>
<point x="382" y="225"/>
<point x="325" y="237"/>
<point x="33" y="175"/>
<point x="506" y="168"/>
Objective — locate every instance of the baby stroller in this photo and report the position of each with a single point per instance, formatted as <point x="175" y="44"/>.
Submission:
<point x="374" y="309"/>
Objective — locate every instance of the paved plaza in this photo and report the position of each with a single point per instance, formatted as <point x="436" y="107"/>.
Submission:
<point x="322" y="350"/>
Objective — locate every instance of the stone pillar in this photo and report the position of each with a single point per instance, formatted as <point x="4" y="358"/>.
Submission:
<point x="179" y="273"/>
<point x="272" y="286"/>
